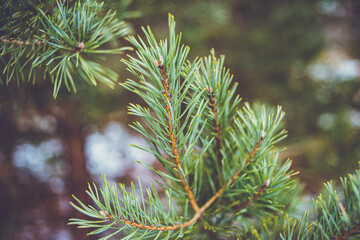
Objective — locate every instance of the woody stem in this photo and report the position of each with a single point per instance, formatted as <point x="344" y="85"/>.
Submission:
<point x="175" y="150"/>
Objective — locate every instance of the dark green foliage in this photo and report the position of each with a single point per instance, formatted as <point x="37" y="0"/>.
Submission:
<point x="63" y="40"/>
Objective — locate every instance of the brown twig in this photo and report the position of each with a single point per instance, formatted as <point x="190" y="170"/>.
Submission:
<point x="148" y="227"/>
<point x="247" y="161"/>
<point x="80" y="46"/>
<point x="256" y="196"/>
<point x="21" y="42"/>
<point x="166" y="93"/>
<point x="214" y="110"/>
<point x="348" y="233"/>
<point x="233" y="178"/>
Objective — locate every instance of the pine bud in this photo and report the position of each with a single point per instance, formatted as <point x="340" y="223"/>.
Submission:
<point x="81" y="45"/>
<point x="267" y="183"/>
<point x="263" y="133"/>
<point x="161" y="60"/>
<point x="104" y="214"/>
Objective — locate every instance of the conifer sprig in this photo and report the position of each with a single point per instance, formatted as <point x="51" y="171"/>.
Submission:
<point x="336" y="213"/>
<point x="193" y="119"/>
<point x="133" y="211"/>
<point x="214" y="83"/>
<point x="61" y="38"/>
<point x="164" y="91"/>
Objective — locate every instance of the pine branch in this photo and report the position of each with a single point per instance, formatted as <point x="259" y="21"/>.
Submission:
<point x="234" y="177"/>
<point x="146" y="214"/>
<point x="164" y="92"/>
<point x="175" y="151"/>
<point x="21" y="42"/>
<point x="80" y="46"/>
<point x="253" y="198"/>
<point x="181" y="96"/>
<point x="61" y="43"/>
<point x="213" y="108"/>
<point x="215" y="79"/>
<point x="199" y="212"/>
<point x="336" y="217"/>
<point x="117" y="219"/>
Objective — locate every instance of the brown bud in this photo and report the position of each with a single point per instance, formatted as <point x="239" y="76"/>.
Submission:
<point x="81" y="45"/>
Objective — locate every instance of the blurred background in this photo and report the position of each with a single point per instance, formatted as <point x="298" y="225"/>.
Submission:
<point x="301" y="54"/>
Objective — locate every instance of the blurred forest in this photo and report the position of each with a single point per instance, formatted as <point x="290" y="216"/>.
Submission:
<point x="301" y="54"/>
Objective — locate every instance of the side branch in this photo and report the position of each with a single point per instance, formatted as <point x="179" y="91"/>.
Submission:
<point x="166" y="93"/>
<point x="213" y="108"/>
<point x="21" y="42"/>
<point x="348" y="233"/>
<point x="251" y="200"/>
<point x="232" y="179"/>
<point x="80" y="46"/>
<point x="120" y="220"/>
<point x="198" y="211"/>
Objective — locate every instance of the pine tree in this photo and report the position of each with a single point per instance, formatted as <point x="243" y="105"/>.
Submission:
<point x="222" y="175"/>
<point x="63" y="39"/>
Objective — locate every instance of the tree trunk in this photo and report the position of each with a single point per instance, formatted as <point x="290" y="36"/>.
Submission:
<point x="70" y="131"/>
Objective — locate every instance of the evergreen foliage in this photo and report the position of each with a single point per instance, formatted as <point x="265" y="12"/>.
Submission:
<point x="337" y="214"/>
<point x="221" y="174"/>
<point x="64" y="39"/>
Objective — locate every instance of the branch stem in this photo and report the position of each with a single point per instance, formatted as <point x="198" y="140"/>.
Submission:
<point x="256" y="196"/>
<point x="21" y="42"/>
<point x="198" y="211"/>
<point x="148" y="227"/>
<point x="230" y="181"/>
<point x="214" y="110"/>
<point x="166" y="93"/>
<point x="80" y="46"/>
<point x="355" y="230"/>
